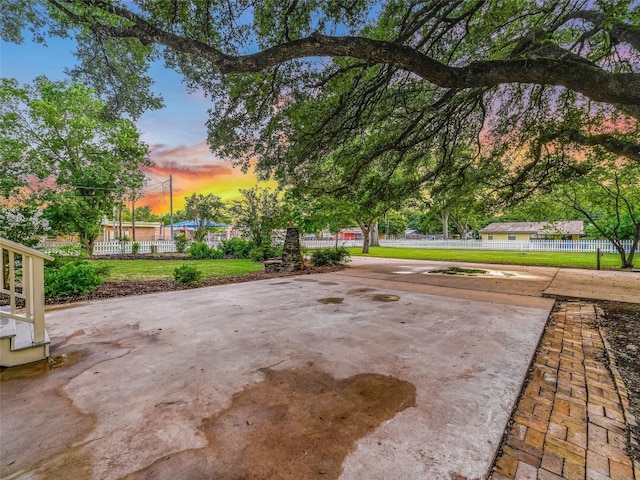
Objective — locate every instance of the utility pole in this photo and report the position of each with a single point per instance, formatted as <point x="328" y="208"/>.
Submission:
<point x="171" y="204"/>
<point x="120" y="220"/>
<point x="133" y="217"/>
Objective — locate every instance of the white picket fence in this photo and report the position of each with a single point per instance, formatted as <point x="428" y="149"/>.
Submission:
<point x="576" y="246"/>
<point x="504" y="245"/>
<point x="164" y="246"/>
<point x="113" y="247"/>
<point x="328" y="242"/>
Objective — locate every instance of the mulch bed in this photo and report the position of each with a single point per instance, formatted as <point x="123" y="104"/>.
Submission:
<point x="126" y="288"/>
<point x="621" y="325"/>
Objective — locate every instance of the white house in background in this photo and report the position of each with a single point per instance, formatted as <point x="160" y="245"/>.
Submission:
<point x="524" y="231"/>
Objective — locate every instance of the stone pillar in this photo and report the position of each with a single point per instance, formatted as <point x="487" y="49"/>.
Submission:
<point x="291" y="255"/>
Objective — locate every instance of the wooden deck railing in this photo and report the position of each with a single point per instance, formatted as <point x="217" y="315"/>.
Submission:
<point x="22" y="279"/>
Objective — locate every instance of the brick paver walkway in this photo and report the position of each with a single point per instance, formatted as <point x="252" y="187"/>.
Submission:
<point x="570" y="422"/>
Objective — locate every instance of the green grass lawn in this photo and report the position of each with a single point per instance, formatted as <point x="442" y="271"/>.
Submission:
<point x="556" y="259"/>
<point x="163" y="269"/>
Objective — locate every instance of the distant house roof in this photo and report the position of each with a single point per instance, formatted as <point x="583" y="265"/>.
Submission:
<point x="573" y="227"/>
<point x="192" y="224"/>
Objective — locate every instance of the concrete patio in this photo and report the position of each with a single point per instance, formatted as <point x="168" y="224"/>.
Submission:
<point x="380" y="371"/>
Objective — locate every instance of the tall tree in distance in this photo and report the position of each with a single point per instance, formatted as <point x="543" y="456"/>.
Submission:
<point x="259" y="213"/>
<point x="608" y="196"/>
<point x="204" y="210"/>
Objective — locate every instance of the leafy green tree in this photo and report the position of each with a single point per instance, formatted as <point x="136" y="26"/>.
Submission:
<point x="21" y="218"/>
<point x="23" y="223"/>
<point x="424" y="221"/>
<point x="81" y="163"/>
<point x="143" y="214"/>
<point x="539" y="207"/>
<point x="551" y="71"/>
<point x="178" y="216"/>
<point x="313" y="214"/>
<point x="608" y="196"/>
<point x="260" y="212"/>
<point x="393" y="224"/>
<point x="203" y="209"/>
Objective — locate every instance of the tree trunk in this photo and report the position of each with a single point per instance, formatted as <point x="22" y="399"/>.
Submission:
<point x="624" y="262"/>
<point x="445" y="224"/>
<point x="133" y="219"/>
<point x="366" y="234"/>
<point x="87" y="243"/>
<point x="461" y="227"/>
<point x="375" y="235"/>
<point x="634" y="247"/>
<point x="120" y="222"/>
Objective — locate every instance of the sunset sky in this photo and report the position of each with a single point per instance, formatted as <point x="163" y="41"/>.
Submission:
<point x="176" y="135"/>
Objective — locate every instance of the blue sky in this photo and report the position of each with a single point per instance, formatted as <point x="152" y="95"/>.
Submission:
<point x="176" y="134"/>
<point x="188" y="111"/>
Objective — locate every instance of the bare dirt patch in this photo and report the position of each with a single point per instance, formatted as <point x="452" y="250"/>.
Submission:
<point x="297" y="423"/>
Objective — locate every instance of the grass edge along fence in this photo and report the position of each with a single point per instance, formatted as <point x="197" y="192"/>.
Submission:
<point x="586" y="260"/>
<point x="511" y="252"/>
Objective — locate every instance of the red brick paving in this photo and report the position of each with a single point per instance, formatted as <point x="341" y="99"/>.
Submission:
<point x="570" y="422"/>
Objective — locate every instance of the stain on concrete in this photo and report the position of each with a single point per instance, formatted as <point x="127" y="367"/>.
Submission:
<point x="331" y="300"/>
<point x="60" y="452"/>
<point x="296" y="424"/>
<point x="328" y="283"/>
<point x="360" y="291"/>
<point x="40" y="386"/>
<point x="37" y="369"/>
<point x="385" y="297"/>
<point x="457" y="476"/>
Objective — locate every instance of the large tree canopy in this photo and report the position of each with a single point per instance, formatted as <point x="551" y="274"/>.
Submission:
<point x="293" y="81"/>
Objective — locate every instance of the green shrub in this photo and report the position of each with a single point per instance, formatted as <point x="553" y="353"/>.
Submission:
<point x="187" y="274"/>
<point x="238" y="247"/>
<point x="182" y="242"/>
<point x="135" y="247"/>
<point x="259" y="254"/>
<point x="329" y="256"/>
<point x="200" y="251"/>
<point x="73" y="278"/>
<point x="66" y="254"/>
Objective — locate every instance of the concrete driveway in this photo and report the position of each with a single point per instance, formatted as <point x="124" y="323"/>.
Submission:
<point x="381" y="371"/>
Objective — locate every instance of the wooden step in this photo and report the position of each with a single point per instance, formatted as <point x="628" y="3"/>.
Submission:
<point x="16" y="343"/>
<point x="24" y="336"/>
<point x="7" y="327"/>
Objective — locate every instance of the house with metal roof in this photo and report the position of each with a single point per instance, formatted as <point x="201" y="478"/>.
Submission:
<point x="524" y="231"/>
